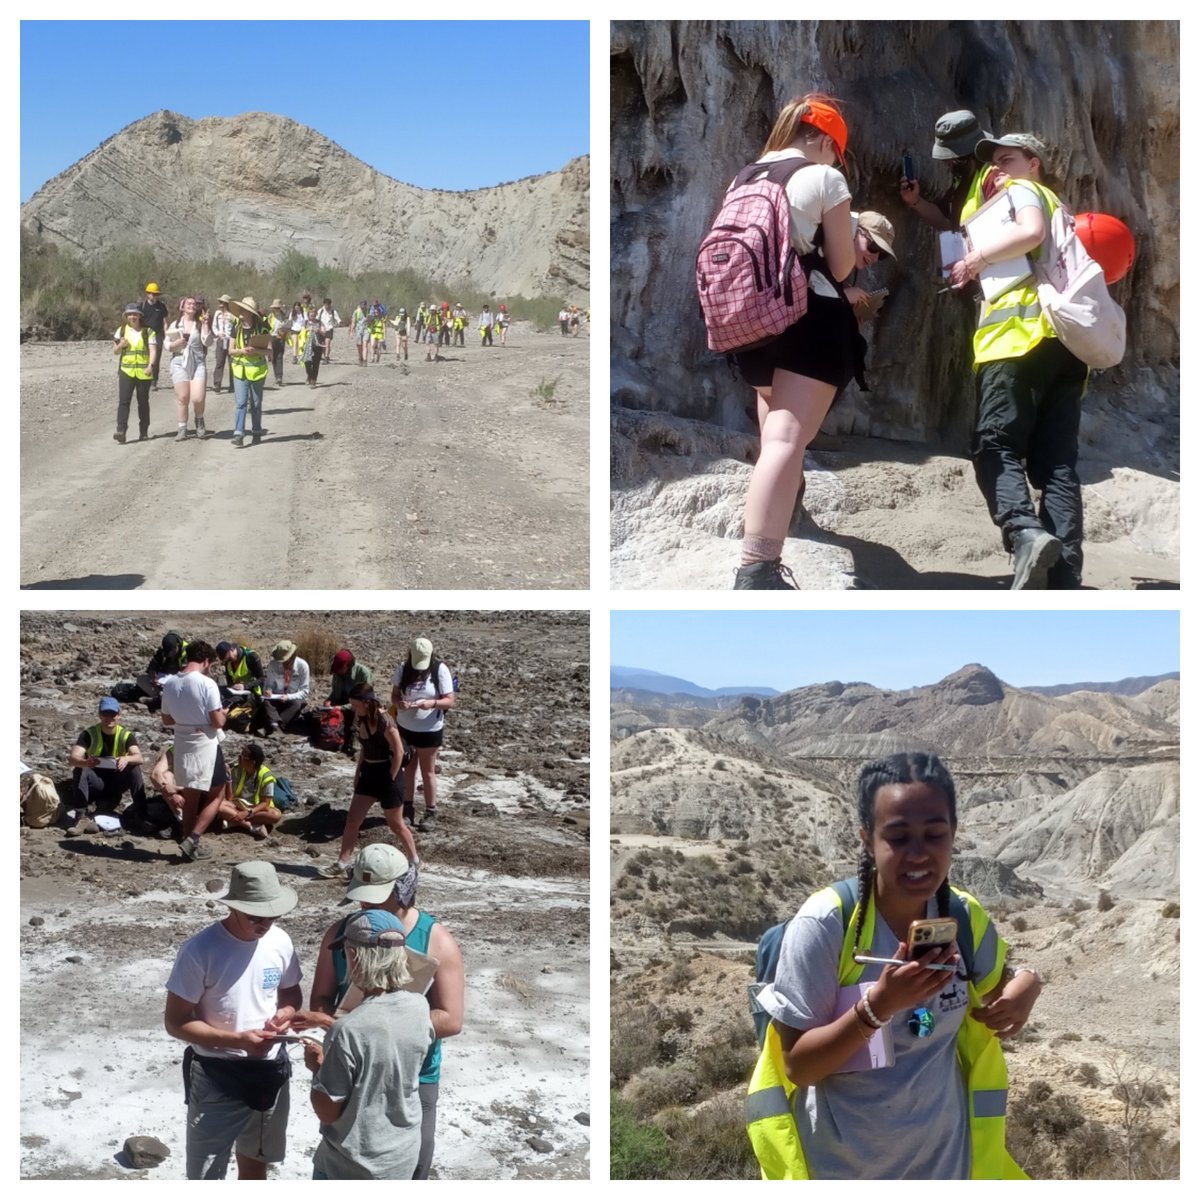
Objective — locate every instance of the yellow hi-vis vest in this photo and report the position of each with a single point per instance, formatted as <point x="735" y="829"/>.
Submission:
<point x="263" y="778"/>
<point x="1012" y="324"/>
<point x="255" y="366"/>
<point x="240" y="674"/>
<point x="772" y="1096"/>
<point x="96" y="742"/>
<point x="135" y="358"/>
<point x="974" y="197"/>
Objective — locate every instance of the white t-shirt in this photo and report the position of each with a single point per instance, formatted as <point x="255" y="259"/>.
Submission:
<point x="812" y="192"/>
<point x="423" y="720"/>
<point x="234" y="984"/>
<point x="189" y="698"/>
<point x="328" y="319"/>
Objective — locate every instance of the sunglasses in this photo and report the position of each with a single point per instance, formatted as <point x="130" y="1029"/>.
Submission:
<point x="872" y="248"/>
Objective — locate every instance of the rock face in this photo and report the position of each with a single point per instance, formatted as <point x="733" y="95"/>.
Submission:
<point x="252" y="187"/>
<point x="692" y="102"/>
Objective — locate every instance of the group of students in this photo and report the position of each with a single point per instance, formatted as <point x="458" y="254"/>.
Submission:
<point x="1029" y="385"/>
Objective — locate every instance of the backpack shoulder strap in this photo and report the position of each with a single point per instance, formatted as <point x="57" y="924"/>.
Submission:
<point x="965" y="937"/>
<point x="776" y="172"/>
<point x="435" y="665"/>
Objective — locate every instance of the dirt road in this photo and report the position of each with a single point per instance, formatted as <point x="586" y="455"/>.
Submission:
<point x="506" y="870"/>
<point x="399" y="475"/>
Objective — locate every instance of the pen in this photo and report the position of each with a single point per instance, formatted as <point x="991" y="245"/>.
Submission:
<point x="903" y="962"/>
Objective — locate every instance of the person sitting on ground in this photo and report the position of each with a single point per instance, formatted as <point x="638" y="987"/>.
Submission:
<point x="365" y="1087"/>
<point x="252" y="805"/>
<point x="191" y="704"/>
<point x="162" y="780"/>
<point x="107" y="762"/>
<point x="384" y="879"/>
<point x="169" y="659"/>
<point x="285" y="689"/>
<point x="345" y="673"/>
<point x="377" y="777"/>
<point x="243" y="668"/>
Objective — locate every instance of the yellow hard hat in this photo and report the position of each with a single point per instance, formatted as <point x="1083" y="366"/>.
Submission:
<point x="152" y="287"/>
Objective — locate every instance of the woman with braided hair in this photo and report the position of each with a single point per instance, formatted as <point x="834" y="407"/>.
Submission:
<point x="897" y="1067"/>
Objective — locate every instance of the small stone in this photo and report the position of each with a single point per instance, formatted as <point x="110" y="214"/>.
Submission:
<point x="583" y="1118"/>
<point x="143" y="1152"/>
<point x="70" y="628"/>
<point x="210" y="904"/>
<point x="35" y="921"/>
<point x="312" y="852"/>
<point x="539" y="1144"/>
<point x="547" y="971"/>
<point x="74" y="958"/>
<point x="214" y="885"/>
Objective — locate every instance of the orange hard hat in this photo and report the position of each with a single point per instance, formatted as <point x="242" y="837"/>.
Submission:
<point x="1109" y="241"/>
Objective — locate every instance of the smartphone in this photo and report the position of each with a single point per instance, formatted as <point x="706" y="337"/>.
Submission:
<point x="906" y="165"/>
<point x="930" y="934"/>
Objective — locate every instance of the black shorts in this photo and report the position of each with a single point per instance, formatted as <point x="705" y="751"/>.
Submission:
<point x="825" y="344"/>
<point x="422" y="740"/>
<point x="375" y="780"/>
<point x="220" y="775"/>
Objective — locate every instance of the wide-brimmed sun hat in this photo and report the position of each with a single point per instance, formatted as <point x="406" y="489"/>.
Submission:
<point x="246" y="304"/>
<point x="255" y="890"/>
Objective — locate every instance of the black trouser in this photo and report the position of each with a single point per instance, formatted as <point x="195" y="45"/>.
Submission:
<point x="562" y="325"/>
<point x="277" y="348"/>
<point x="277" y="714"/>
<point x="487" y="335"/>
<point x="313" y="365"/>
<point x="104" y="787"/>
<point x="1027" y="423"/>
<point x="459" y="339"/>
<point x="127" y="385"/>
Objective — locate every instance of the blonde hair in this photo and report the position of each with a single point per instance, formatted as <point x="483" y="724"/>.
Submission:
<point x="790" y="125"/>
<point x="378" y="968"/>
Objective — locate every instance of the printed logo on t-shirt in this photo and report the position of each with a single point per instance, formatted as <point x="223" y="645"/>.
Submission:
<point x="271" y="978"/>
<point x="952" y="997"/>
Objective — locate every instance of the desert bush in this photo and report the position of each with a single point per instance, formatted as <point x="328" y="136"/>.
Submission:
<point x="710" y="1141"/>
<point x="317" y="644"/>
<point x="680" y="972"/>
<point x="635" y="1041"/>
<point x="1103" y="901"/>
<point x="722" y="1064"/>
<point x="1088" y="1074"/>
<point x="1019" y="924"/>
<point x="636" y="1151"/>
<point x="1079" y="904"/>
<point x="1170" y="909"/>
<point x="633" y="867"/>
<point x="655" y="1088"/>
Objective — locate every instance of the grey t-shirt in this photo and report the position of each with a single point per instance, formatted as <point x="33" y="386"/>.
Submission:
<point x="907" y="1121"/>
<point x="373" y="1059"/>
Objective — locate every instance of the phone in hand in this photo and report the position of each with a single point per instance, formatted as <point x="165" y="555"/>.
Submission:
<point x="932" y="933"/>
<point x="906" y="166"/>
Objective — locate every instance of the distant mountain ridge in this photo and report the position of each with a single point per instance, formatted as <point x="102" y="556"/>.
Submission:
<point x="1133" y="686"/>
<point x="639" y="680"/>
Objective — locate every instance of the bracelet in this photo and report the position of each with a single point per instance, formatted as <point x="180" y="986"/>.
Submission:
<point x="866" y="1033"/>
<point x="871" y="1017"/>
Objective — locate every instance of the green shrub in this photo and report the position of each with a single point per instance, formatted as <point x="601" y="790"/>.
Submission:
<point x="1170" y="909"/>
<point x="655" y="1088"/>
<point x="636" y="1151"/>
<point x="1104" y="901"/>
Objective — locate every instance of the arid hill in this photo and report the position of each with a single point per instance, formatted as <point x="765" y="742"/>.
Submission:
<point x="254" y="186"/>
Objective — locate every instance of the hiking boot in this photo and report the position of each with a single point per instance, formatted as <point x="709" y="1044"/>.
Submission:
<point x="260" y="833"/>
<point x="144" y="435"/>
<point x="765" y="577"/>
<point x="237" y="439"/>
<point x="201" y="431"/>
<point x="255" y="439"/>
<point x="335" y="870"/>
<point x="192" y="850"/>
<point x="119" y="437"/>
<point x="1034" y="552"/>
<point x="83" y="825"/>
<point x="428" y="821"/>
<point x="181" y="434"/>
<point x="410" y="816"/>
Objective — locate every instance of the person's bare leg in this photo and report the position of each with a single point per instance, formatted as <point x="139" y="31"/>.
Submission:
<point x="427" y="759"/>
<point x="404" y="835"/>
<point x="410" y="782"/>
<point x="183" y="392"/>
<point x="794" y="407"/>
<point x="250" y="1168"/>
<point x="359" y="807"/>
<point x="208" y="813"/>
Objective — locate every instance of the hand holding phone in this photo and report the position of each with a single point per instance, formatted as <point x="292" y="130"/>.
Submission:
<point x="906" y="167"/>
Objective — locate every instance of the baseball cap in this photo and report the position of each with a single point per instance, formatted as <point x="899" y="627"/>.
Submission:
<point x="879" y="229"/>
<point x="376" y="869"/>
<point x="420" y="652"/>
<point x="374" y="927"/>
<point x="987" y="146"/>
<point x="109" y="705"/>
<point x="341" y="662"/>
<point x="223" y="648"/>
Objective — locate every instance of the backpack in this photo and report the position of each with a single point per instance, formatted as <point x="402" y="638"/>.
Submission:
<point x="435" y="664"/>
<point x="766" y="959"/>
<point x="1074" y="296"/>
<point x="285" y="794"/>
<point x="331" y="729"/>
<point x="40" y="805"/>
<point x="749" y="278"/>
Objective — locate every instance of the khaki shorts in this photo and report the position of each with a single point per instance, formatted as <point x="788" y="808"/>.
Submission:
<point x="217" y="1124"/>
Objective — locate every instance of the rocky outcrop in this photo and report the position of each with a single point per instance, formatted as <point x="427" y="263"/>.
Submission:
<point x="693" y="101"/>
<point x="252" y="187"/>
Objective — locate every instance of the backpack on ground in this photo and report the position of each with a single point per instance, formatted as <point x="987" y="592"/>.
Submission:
<point x="331" y="729"/>
<point x="241" y="714"/>
<point x="40" y="805"/>
<point x="126" y="693"/>
<point x="285" y="794"/>
<point x="766" y="959"/>
<point x="749" y="278"/>
<point x="1074" y="296"/>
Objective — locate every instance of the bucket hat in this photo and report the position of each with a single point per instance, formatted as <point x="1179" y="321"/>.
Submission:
<point x="255" y="890"/>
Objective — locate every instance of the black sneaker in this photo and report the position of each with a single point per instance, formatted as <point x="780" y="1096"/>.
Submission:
<point x="765" y="577"/>
<point x="428" y="821"/>
<point x="1034" y="552"/>
<point x="119" y="437"/>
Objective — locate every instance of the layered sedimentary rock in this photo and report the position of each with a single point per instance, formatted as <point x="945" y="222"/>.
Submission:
<point x="692" y="102"/>
<point x="255" y="186"/>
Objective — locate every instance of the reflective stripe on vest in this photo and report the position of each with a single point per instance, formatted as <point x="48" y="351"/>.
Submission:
<point x="264" y="777"/>
<point x="770" y="1114"/>
<point x="96" y="742"/>
<point x="135" y="360"/>
<point x="252" y="368"/>
<point x="1013" y="324"/>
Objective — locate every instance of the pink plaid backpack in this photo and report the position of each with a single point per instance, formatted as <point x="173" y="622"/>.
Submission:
<point x="749" y="277"/>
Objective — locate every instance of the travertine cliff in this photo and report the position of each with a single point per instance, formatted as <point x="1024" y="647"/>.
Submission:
<point x="255" y="186"/>
<point x="693" y="101"/>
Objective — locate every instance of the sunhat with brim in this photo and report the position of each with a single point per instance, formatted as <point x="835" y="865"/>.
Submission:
<point x="254" y="889"/>
<point x="420" y="653"/>
<point x="376" y="870"/>
<point x="132" y="310"/>
<point x="375" y="927"/>
<point x="277" y="303"/>
<point x="955" y="134"/>
<point x="986" y="147"/>
<point x="246" y="304"/>
<point x="283" y="650"/>
<point x="879" y="229"/>
<point x="224" y="298"/>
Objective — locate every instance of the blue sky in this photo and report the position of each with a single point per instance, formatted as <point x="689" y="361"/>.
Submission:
<point x="894" y="649"/>
<point x="516" y="91"/>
